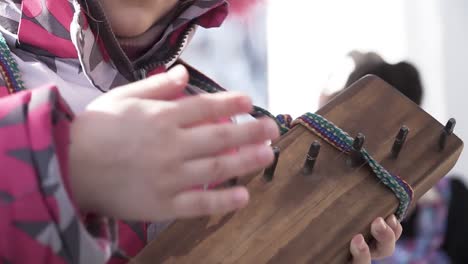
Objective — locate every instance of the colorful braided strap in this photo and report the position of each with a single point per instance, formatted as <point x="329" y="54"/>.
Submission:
<point x="340" y="140"/>
<point x="343" y="142"/>
<point x="9" y="68"/>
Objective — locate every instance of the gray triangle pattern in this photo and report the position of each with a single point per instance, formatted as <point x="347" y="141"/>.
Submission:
<point x="73" y="244"/>
<point x="51" y="189"/>
<point x="95" y="57"/>
<point x="49" y="61"/>
<point x="45" y="233"/>
<point x="10" y="15"/>
<point x="49" y="23"/>
<point x="23" y="155"/>
<point x="42" y="159"/>
<point x="78" y="244"/>
<point x="5" y="261"/>
<point x="41" y="96"/>
<point x="71" y="241"/>
<point x="51" y="170"/>
<point x="66" y="210"/>
<point x="136" y="227"/>
<point x="119" y="80"/>
<point x="50" y="237"/>
<point x="103" y="73"/>
<point x="33" y="229"/>
<point x="6" y="197"/>
<point x="14" y="117"/>
<point x="41" y="162"/>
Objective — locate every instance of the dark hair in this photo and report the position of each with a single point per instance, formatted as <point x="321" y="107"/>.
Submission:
<point x="403" y="75"/>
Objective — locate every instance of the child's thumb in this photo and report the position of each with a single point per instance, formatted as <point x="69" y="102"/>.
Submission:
<point x="163" y="86"/>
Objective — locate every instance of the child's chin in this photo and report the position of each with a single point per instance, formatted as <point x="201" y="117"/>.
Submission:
<point x="131" y="29"/>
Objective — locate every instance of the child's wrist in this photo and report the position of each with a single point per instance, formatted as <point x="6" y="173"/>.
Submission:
<point x="77" y="170"/>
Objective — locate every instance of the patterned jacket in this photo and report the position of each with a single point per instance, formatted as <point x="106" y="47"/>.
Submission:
<point x="67" y="55"/>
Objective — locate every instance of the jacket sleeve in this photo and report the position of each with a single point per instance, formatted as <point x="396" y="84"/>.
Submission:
<point x="39" y="222"/>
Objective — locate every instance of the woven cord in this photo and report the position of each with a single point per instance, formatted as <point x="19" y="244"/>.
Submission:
<point x="9" y="68"/>
<point x="340" y="140"/>
<point x="343" y="142"/>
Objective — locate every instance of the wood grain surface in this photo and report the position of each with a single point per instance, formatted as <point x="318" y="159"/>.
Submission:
<point x="300" y="218"/>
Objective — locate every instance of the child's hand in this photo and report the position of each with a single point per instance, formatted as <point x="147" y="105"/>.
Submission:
<point x="385" y="233"/>
<point x="135" y="154"/>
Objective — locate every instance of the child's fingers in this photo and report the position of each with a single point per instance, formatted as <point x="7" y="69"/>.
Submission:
<point x="200" y="203"/>
<point x="385" y="239"/>
<point x="360" y="250"/>
<point x="395" y="225"/>
<point x="207" y="140"/>
<point x="211" y="107"/>
<point x="163" y="86"/>
<point x="223" y="167"/>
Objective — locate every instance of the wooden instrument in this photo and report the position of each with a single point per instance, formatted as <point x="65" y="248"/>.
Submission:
<point x="309" y="215"/>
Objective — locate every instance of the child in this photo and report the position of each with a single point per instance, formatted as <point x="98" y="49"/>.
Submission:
<point x="92" y="129"/>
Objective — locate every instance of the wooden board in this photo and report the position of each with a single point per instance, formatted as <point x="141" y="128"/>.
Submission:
<point x="311" y="219"/>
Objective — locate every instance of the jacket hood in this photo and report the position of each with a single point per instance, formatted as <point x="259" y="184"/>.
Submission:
<point x="78" y="29"/>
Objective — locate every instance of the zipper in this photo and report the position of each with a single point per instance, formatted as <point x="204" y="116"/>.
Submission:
<point x="96" y="13"/>
<point x="140" y="74"/>
<point x="118" y="56"/>
<point x="171" y="56"/>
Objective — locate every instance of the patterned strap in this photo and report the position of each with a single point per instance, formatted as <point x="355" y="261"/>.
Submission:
<point x="9" y="68"/>
<point x="340" y="140"/>
<point x="427" y="243"/>
<point x="343" y="142"/>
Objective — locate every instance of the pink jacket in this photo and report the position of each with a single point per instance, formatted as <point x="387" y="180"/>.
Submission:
<point x="63" y="65"/>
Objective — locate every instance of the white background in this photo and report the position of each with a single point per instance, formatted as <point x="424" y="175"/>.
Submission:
<point x="308" y="39"/>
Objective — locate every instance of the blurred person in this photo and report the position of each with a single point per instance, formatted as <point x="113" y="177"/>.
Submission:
<point x="437" y="230"/>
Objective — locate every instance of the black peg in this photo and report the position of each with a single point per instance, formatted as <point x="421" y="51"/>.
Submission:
<point x="399" y="141"/>
<point x="446" y="132"/>
<point x="356" y="156"/>
<point x="312" y="155"/>
<point x="270" y="171"/>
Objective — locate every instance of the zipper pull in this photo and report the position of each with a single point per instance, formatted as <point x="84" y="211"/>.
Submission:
<point x="139" y="74"/>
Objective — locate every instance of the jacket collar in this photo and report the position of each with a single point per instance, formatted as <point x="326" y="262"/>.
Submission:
<point x="78" y="29"/>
